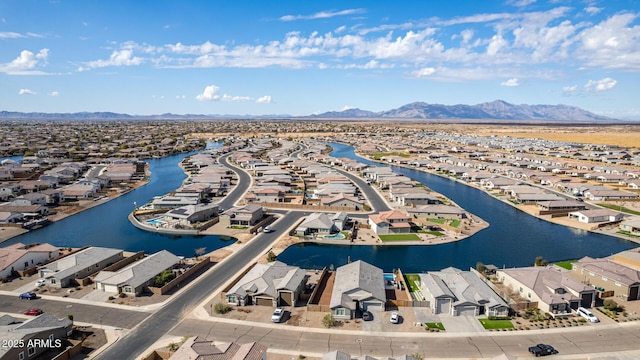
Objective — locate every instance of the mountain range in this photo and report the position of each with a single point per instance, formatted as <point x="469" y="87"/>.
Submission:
<point x="495" y="110"/>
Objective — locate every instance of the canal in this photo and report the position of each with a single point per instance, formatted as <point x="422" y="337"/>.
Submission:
<point x="512" y="239"/>
<point x="107" y="224"/>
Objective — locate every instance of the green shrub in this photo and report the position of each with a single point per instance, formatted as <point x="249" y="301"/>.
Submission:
<point x="222" y="308"/>
<point x="329" y="321"/>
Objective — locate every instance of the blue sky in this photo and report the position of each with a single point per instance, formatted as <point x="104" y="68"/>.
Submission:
<point x="303" y="57"/>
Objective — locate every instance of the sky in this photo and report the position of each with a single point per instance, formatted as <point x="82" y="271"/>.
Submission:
<point x="305" y="57"/>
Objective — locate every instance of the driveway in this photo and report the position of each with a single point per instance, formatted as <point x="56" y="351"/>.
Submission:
<point x="461" y="324"/>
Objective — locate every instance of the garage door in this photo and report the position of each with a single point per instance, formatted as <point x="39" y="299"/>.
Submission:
<point x="111" y="288"/>
<point x="286" y="299"/>
<point x="466" y="310"/>
<point x="371" y="305"/>
<point x="264" y="302"/>
<point x="443" y="306"/>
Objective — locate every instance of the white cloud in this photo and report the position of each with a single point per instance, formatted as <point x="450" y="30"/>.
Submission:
<point x="495" y="44"/>
<point x="264" y="99"/>
<point x="15" y="35"/>
<point x="123" y="57"/>
<point x="212" y="93"/>
<point x="612" y="44"/>
<point x="54" y="93"/>
<point x="26" y="92"/>
<point x="520" y="3"/>
<point x="513" y="82"/>
<point x="569" y="90"/>
<point x="425" y="72"/>
<point x="322" y="15"/>
<point x="592" y="10"/>
<point x="600" y="85"/>
<point x="25" y="63"/>
<point x="180" y="97"/>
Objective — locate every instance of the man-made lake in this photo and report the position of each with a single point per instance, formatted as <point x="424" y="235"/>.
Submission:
<point x="512" y="239"/>
<point x="107" y="224"/>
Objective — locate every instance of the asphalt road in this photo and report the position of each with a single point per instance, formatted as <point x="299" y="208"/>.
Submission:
<point x="377" y="203"/>
<point x="81" y="312"/>
<point x="164" y="319"/>
<point x="244" y="181"/>
<point x="580" y="341"/>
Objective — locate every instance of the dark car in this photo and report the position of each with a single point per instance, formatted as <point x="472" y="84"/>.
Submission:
<point x="367" y="316"/>
<point x="28" y="295"/>
<point x="542" y="350"/>
<point x="33" y="312"/>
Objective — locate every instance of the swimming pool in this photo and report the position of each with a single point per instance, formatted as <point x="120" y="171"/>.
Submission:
<point x="389" y="277"/>
<point x="156" y="221"/>
<point x="335" y="236"/>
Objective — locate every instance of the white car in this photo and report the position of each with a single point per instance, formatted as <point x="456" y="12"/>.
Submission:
<point x="267" y="229"/>
<point x="41" y="282"/>
<point x="277" y="316"/>
<point x="395" y="318"/>
<point x="588" y="315"/>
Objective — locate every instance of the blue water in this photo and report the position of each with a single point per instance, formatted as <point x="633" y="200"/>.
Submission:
<point x="513" y="238"/>
<point x="389" y="277"/>
<point x="335" y="236"/>
<point x="107" y="224"/>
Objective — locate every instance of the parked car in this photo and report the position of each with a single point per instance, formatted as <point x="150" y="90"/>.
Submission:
<point x="28" y="295"/>
<point x="395" y="318"/>
<point x="367" y="316"/>
<point x="33" y="312"/>
<point x="267" y="229"/>
<point x="588" y="315"/>
<point x="542" y="350"/>
<point x="41" y="282"/>
<point x="277" y="315"/>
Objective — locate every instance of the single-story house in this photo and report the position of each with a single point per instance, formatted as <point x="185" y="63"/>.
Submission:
<point x="247" y="215"/>
<point x="171" y="202"/>
<point x="456" y="292"/>
<point x="358" y="286"/>
<point x="194" y="213"/>
<point x="437" y="212"/>
<point x="273" y="284"/>
<point x="631" y="226"/>
<point x="555" y="291"/>
<point x="62" y="273"/>
<point x="596" y="215"/>
<point x="322" y="224"/>
<point x="19" y="256"/>
<point x="135" y="278"/>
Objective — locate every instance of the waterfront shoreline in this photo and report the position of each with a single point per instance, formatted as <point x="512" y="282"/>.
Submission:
<point x="522" y="208"/>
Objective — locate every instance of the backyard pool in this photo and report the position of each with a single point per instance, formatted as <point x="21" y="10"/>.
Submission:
<point x="335" y="236"/>
<point x="156" y="221"/>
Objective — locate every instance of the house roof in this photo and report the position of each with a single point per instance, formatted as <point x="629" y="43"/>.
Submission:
<point x="609" y="269"/>
<point x="545" y="280"/>
<point x="357" y="280"/>
<point x="466" y="287"/>
<point x="387" y="216"/>
<point x="268" y="278"/>
<point x="441" y="209"/>
<point x="197" y="348"/>
<point x="12" y="253"/>
<point x="82" y="259"/>
<point x="317" y="221"/>
<point x="140" y="271"/>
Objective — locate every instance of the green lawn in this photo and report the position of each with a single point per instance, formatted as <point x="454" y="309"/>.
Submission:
<point x="399" y="237"/>
<point x="620" y="208"/>
<point x="496" y="324"/>
<point x="434" y="325"/>
<point x="435" y="233"/>
<point x="411" y="280"/>
<point x="455" y="223"/>
<point x="438" y="221"/>
<point x="623" y="232"/>
<point x="566" y="264"/>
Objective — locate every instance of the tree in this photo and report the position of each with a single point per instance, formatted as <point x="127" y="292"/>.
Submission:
<point x="271" y="256"/>
<point x="481" y="267"/>
<point x="540" y="261"/>
<point x="329" y="321"/>
<point x="222" y="308"/>
<point x="199" y="252"/>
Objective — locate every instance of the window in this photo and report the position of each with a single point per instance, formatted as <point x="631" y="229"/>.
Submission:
<point x="340" y="312"/>
<point x="521" y="289"/>
<point x="529" y="295"/>
<point x="128" y="289"/>
<point x="232" y="299"/>
<point x="31" y="351"/>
